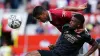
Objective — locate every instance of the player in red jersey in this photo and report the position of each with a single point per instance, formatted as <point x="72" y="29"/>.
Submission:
<point x="56" y="17"/>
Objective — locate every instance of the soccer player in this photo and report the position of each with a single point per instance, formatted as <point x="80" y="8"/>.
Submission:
<point x="71" y="40"/>
<point x="56" y="17"/>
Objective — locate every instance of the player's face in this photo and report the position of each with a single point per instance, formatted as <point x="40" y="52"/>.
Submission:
<point x="43" y="17"/>
<point x="74" y="23"/>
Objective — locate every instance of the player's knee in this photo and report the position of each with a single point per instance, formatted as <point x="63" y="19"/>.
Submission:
<point x="33" y="53"/>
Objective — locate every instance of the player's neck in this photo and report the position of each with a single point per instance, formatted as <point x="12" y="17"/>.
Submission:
<point x="79" y="30"/>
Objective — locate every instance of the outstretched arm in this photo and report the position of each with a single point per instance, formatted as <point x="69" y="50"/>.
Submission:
<point x="93" y="48"/>
<point x="91" y="41"/>
<point x="79" y="8"/>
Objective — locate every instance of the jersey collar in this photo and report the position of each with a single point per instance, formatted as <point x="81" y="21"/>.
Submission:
<point x="50" y="16"/>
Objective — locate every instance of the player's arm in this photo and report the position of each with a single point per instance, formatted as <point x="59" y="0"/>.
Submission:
<point x="79" y="8"/>
<point x="93" y="48"/>
<point x="92" y="42"/>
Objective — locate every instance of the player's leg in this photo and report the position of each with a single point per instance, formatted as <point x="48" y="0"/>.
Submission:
<point x="33" y="53"/>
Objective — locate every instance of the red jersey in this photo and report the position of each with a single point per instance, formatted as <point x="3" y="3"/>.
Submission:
<point x="59" y="17"/>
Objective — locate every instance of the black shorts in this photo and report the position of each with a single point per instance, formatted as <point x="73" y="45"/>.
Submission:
<point x="47" y="53"/>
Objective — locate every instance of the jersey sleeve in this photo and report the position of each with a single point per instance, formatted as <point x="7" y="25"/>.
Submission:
<point x="87" y="38"/>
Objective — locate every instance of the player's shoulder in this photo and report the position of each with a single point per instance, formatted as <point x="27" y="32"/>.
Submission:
<point x="53" y="10"/>
<point x="85" y="33"/>
<point x="56" y="13"/>
<point x="65" y="26"/>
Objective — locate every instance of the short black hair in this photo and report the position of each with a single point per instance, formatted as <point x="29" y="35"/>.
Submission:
<point x="38" y="11"/>
<point x="80" y="17"/>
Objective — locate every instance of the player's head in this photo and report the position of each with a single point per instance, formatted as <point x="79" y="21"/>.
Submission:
<point x="77" y="21"/>
<point x="40" y="13"/>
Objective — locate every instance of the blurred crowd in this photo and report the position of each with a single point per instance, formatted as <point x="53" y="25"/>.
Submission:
<point x="32" y="26"/>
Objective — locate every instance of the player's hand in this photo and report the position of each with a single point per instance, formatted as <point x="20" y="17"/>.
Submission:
<point x="83" y="6"/>
<point x="51" y="46"/>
